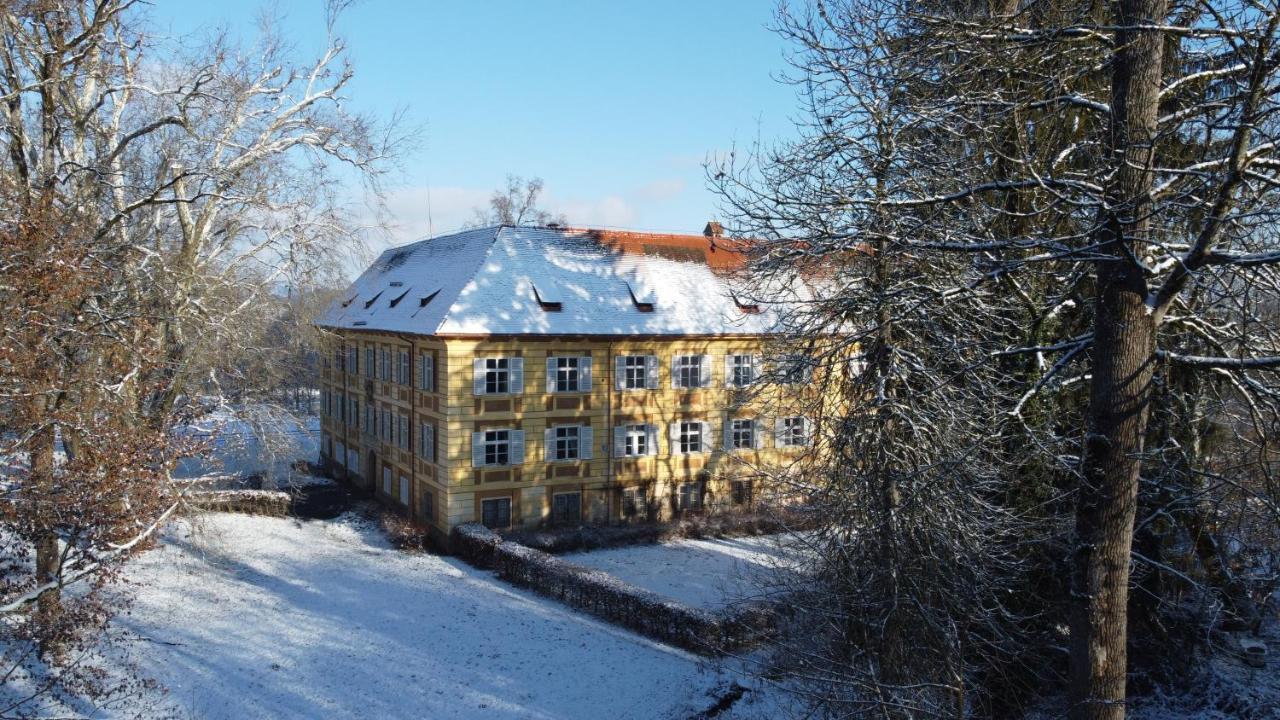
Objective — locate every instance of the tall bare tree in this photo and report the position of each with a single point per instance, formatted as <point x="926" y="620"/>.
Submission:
<point x="1093" y="188"/>
<point x="517" y="204"/>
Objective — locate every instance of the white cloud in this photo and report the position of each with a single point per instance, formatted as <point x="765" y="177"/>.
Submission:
<point x="418" y="211"/>
<point x="661" y="190"/>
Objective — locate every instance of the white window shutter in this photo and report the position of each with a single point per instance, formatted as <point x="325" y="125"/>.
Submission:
<point x="477" y="377"/>
<point x="705" y="380"/>
<point x="708" y="441"/>
<point x="757" y="433"/>
<point x="727" y="440"/>
<point x="551" y="374"/>
<point x="728" y="370"/>
<point x="675" y="374"/>
<point x="586" y="451"/>
<point x="757" y="368"/>
<point x="584" y="373"/>
<point x="477" y="449"/>
<point x="517" y="447"/>
<point x="651" y="438"/>
<point x="651" y="371"/>
<point x="517" y="376"/>
<point x="779" y="432"/>
<point x="620" y="441"/>
<point x="674" y="438"/>
<point x="549" y="444"/>
<point x="808" y="431"/>
<point x="619" y="373"/>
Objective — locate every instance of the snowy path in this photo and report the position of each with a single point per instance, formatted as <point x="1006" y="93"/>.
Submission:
<point x="279" y="618"/>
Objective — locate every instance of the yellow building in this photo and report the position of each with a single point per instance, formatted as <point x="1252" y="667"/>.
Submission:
<point x="517" y="376"/>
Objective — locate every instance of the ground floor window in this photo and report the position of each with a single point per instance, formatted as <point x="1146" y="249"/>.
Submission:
<point x="386" y="480"/>
<point x="634" y="502"/>
<point x="689" y="497"/>
<point x="496" y="512"/>
<point x="428" y="505"/>
<point x="566" y="508"/>
<point x="740" y="492"/>
<point x="404" y="490"/>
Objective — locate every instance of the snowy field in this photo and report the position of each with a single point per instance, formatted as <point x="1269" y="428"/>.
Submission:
<point x="701" y="573"/>
<point x="250" y="617"/>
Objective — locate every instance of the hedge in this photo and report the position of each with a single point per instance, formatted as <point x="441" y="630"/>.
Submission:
<point x="607" y="597"/>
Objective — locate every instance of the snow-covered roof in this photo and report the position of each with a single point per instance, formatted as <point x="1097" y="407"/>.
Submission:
<point x="508" y="280"/>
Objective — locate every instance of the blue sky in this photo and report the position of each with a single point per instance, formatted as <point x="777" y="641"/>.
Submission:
<point x="615" y="105"/>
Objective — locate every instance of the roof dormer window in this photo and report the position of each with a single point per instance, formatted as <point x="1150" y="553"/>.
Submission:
<point x="643" y="303"/>
<point x="547" y="299"/>
<point x="372" y="300"/>
<point x="396" y="300"/>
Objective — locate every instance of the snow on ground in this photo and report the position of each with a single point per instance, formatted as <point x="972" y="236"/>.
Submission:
<point x="701" y="573"/>
<point x="274" y="617"/>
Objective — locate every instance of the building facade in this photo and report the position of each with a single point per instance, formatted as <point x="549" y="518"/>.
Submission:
<point x="527" y="376"/>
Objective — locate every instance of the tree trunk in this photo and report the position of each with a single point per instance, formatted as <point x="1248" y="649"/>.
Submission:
<point x="48" y="554"/>
<point x="1120" y="392"/>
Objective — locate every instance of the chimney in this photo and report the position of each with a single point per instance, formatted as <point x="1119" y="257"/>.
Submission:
<point x="713" y="230"/>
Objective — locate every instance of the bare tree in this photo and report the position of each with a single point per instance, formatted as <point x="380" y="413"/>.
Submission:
<point x="187" y="187"/>
<point x="516" y="205"/>
<point x="1091" y="188"/>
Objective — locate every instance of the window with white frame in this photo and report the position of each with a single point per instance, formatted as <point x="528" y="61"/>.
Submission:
<point x="497" y="447"/>
<point x="402" y="432"/>
<point x="353" y="359"/>
<point x="740" y="370"/>
<point x="564" y="442"/>
<point x="635" y="440"/>
<point x="566" y="508"/>
<point x="689" y="436"/>
<point x="740" y="492"/>
<point x="384" y="365"/>
<point x="497" y="376"/>
<point x="795" y="370"/>
<point x="689" y="496"/>
<point x="403" y="374"/>
<point x="690" y="371"/>
<point x="793" y="432"/>
<point x="404" y="491"/>
<point x="634" y="502"/>
<point x="742" y="434"/>
<point x="636" y="372"/>
<point x="386" y="480"/>
<point x="496" y="512"/>
<point x="369" y="354"/>
<point x="427" y="373"/>
<point x="568" y="374"/>
<point x="427" y="442"/>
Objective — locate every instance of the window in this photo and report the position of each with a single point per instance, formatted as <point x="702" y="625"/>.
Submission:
<point x="568" y="374"/>
<point x="324" y="403"/>
<point x="403" y="375"/>
<point x="353" y="460"/>
<point x="427" y="505"/>
<point x="427" y="442"/>
<point x="354" y="418"/>
<point x="634" y="502"/>
<point x="497" y="447"/>
<point x="338" y="357"/>
<point x="368" y="361"/>
<point x="564" y="442"/>
<point x="636" y="372"/>
<point x="353" y="359"/>
<point x="634" y="441"/>
<point x="689" y="496"/>
<point x="341" y="404"/>
<point x="498" y="375"/>
<point x="386" y="480"/>
<point x="795" y="370"/>
<point x="368" y="419"/>
<point x="690" y="371"/>
<point x="793" y="432"/>
<point x="740" y="492"/>
<point x="427" y="373"/>
<point x="404" y="491"/>
<point x="496" y="512"/>
<point x="742" y="434"/>
<point x="402" y="432"/>
<point x="384" y="365"/>
<point x="339" y="452"/>
<point x="687" y="437"/>
<point x="566" y="508"/>
<point x="740" y="370"/>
